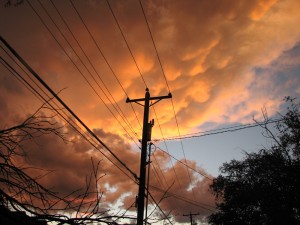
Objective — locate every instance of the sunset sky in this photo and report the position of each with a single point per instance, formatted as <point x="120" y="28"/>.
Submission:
<point x="223" y="61"/>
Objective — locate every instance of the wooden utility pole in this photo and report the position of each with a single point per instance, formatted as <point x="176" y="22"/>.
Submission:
<point x="145" y="139"/>
<point x="191" y="216"/>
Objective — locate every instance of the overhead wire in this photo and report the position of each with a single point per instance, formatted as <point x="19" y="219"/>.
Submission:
<point x="37" y="94"/>
<point x="135" y="62"/>
<point x="168" y="87"/>
<point x="58" y="42"/>
<point x="154" y="45"/>
<point x="79" y="120"/>
<point x="162" y="185"/>
<point x="124" y="38"/>
<point x="103" y="56"/>
<point x="156" y="175"/>
<point x="161" y="172"/>
<point x="190" y="201"/>
<point x="184" y="164"/>
<point x="70" y="58"/>
<point x="14" y="72"/>
<point x="172" y="165"/>
<point x="218" y="131"/>
<point x="201" y="205"/>
<point x="33" y="90"/>
<point x="122" y="33"/>
<point x="44" y="100"/>
<point x="159" y="207"/>
<point x="160" y="200"/>
<point x="66" y="107"/>
<point x="139" y="70"/>
<point x="114" y="103"/>
<point x="128" y="47"/>
<point x="78" y="68"/>
<point x="181" y="137"/>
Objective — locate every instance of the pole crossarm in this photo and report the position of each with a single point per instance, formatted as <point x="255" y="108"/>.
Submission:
<point x="146" y="137"/>
<point x="191" y="215"/>
<point x="158" y="98"/>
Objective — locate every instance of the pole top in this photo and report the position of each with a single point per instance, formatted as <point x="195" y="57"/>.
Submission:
<point x="147" y="90"/>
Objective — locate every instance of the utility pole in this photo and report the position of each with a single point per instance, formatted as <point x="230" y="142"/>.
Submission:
<point x="145" y="139"/>
<point x="191" y="216"/>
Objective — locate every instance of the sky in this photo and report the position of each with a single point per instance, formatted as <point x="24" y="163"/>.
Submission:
<point x="225" y="63"/>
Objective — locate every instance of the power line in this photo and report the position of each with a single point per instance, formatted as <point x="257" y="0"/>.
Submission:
<point x="75" y="116"/>
<point x="139" y="69"/>
<point x="159" y="207"/>
<point x="36" y="92"/>
<point x="165" y="80"/>
<point x="66" y="107"/>
<point x="156" y="175"/>
<point x="133" y="56"/>
<point x="167" y="149"/>
<point x="181" y="143"/>
<point x="160" y="63"/>
<point x="156" y="161"/>
<point x="154" y="46"/>
<point x="218" y="131"/>
<point x="146" y="137"/>
<point x="155" y="171"/>
<point x="186" y="165"/>
<point x="162" y="174"/>
<point x="22" y="81"/>
<point x="87" y="68"/>
<point x="38" y="95"/>
<point x="103" y="56"/>
<point x="163" y="186"/>
<point x="192" y="202"/>
<point x="81" y="73"/>
<point x="9" y="67"/>
<point x="161" y="198"/>
<point x="115" y="104"/>
<point x="98" y="47"/>
<point x="124" y="38"/>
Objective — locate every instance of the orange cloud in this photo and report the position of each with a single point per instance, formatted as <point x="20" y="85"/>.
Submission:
<point x="209" y="52"/>
<point x="261" y="8"/>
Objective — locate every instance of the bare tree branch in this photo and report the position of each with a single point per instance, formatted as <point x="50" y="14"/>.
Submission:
<point x="22" y="192"/>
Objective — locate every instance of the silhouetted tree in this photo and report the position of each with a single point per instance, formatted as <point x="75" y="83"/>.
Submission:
<point x="264" y="187"/>
<point x="21" y="192"/>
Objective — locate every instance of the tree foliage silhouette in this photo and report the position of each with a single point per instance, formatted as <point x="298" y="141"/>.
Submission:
<point x="264" y="187"/>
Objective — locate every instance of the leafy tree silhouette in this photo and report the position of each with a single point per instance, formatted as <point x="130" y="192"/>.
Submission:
<point x="264" y="187"/>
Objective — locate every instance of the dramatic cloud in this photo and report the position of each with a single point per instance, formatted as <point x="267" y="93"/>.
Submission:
<point x="223" y="61"/>
<point x="71" y="163"/>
